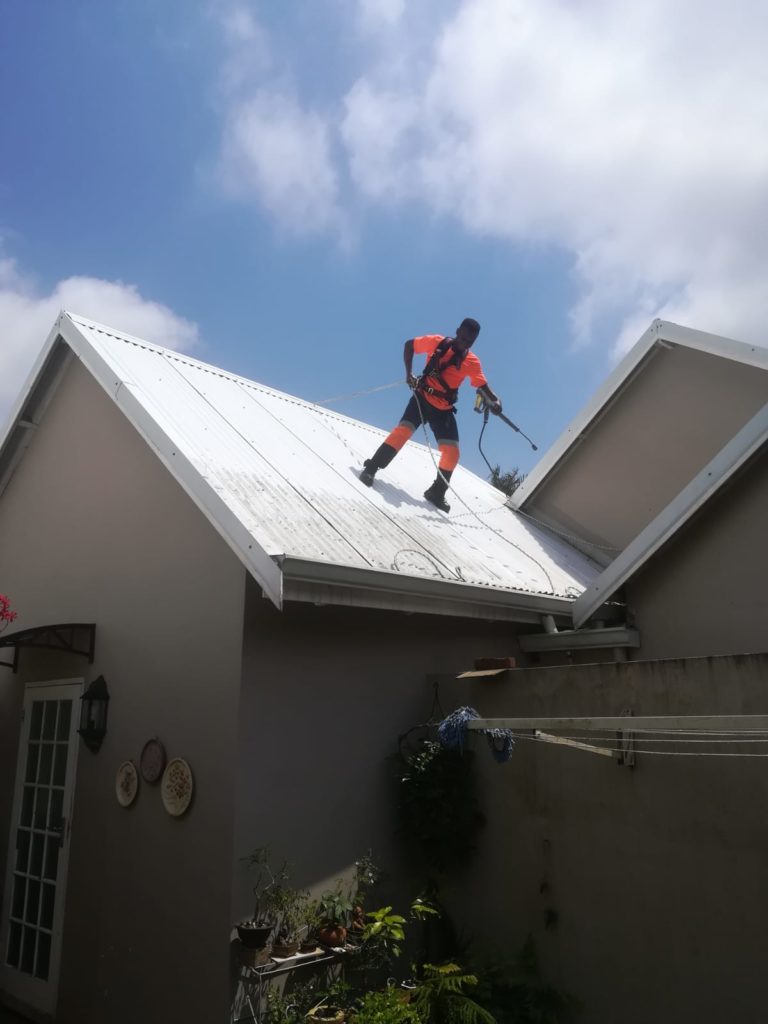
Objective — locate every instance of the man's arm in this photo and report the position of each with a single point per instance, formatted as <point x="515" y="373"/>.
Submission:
<point x="493" y="399"/>
<point x="408" y="360"/>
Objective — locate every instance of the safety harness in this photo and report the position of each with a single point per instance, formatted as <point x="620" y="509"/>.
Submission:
<point x="433" y="369"/>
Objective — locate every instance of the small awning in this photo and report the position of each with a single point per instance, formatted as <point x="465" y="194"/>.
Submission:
<point x="75" y="637"/>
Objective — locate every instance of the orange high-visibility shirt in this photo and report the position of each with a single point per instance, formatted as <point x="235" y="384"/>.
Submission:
<point x="452" y="375"/>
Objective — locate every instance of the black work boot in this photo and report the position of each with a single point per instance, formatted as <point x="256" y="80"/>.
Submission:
<point x="368" y="473"/>
<point x="381" y="459"/>
<point x="435" y="493"/>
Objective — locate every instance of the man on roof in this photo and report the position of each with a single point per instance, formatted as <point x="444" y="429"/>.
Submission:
<point x="449" y="362"/>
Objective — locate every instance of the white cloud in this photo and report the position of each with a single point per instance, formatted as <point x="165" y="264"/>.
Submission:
<point x="248" y="54"/>
<point x="633" y="135"/>
<point x="275" y="152"/>
<point x="26" y="318"/>
<point x="279" y="154"/>
<point x="376" y="15"/>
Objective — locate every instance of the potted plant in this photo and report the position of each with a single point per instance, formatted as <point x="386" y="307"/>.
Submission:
<point x="254" y="933"/>
<point x="290" y="912"/>
<point x="312" y="921"/>
<point x="335" y="909"/>
<point x="367" y="874"/>
<point x="333" y="1007"/>
<point x="385" y="1007"/>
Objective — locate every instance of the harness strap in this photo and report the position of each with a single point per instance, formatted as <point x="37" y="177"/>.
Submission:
<point x="433" y="368"/>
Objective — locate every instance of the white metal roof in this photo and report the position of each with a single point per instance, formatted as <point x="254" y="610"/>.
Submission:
<point x="277" y="476"/>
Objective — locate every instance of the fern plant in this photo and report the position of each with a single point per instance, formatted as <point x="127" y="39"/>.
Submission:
<point x="442" y="997"/>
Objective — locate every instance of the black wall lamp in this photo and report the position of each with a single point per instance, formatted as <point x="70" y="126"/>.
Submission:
<point x="93" y="714"/>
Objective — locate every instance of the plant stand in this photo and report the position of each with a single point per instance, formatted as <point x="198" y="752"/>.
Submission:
<point x="253" y="981"/>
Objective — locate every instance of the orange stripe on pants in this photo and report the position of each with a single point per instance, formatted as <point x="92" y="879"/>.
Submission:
<point x="449" y="456"/>
<point x="399" y="436"/>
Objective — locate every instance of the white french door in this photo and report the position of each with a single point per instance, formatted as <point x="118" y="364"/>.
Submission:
<point x="38" y="851"/>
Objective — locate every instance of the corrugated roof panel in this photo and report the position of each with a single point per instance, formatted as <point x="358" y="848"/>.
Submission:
<point x="289" y="471"/>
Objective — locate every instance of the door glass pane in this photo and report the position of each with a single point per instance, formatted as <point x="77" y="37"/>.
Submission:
<point x="60" y="765"/>
<point x="28" y="950"/>
<point x="36" y="721"/>
<point x="27" y="803"/>
<point x="41" y="808"/>
<point x="36" y="860"/>
<point x="56" y="808"/>
<point x="31" y="773"/>
<point x="19" y="892"/>
<point x="49" y="721"/>
<point x="46" y="761"/>
<point x="14" y="944"/>
<point x="65" y="716"/>
<point x="22" y="849"/>
<point x="43" y="955"/>
<point x="33" y="901"/>
<point x="47" y="905"/>
<point x="51" y="857"/>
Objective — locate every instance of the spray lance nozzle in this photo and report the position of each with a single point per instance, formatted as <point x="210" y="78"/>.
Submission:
<point x="483" y="405"/>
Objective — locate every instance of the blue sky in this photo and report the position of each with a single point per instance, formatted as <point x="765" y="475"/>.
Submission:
<point x="290" y="190"/>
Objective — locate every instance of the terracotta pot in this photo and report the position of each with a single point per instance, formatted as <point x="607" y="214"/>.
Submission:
<point x="326" y="1015"/>
<point x="308" y="947"/>
<point x="333" y="935"/>
<point x="284" y="949"/>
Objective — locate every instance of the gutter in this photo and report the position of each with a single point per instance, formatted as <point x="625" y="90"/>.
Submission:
<point x="327" y="582"/>
<point x="580" y="639"/>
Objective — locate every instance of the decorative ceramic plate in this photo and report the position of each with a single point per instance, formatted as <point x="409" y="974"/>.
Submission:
<point x="176" y="787"/>
<point x="126" y="783"/>
<point x="152" y="760"/>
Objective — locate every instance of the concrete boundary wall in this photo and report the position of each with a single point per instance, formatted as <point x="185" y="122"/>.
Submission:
<point x="645" y="889"/>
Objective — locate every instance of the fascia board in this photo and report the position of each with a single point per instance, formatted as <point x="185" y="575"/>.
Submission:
<point x="30" y="383"/>
<point x="224" y="521"/>
<point x="727" y="461"/>
<point x="714" y="344"/>
<point x="17" y="432"/>
<point x="598" y="404"/>
<point x="428" y="594"/>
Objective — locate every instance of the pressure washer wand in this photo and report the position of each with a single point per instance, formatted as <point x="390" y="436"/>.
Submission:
<point x="481" y="405"/>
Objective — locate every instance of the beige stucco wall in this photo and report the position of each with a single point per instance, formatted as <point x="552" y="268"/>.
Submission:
<point x="326" y="692"/>
<point x="705" y="592"/>
<point x="93" y="528"/>
<point x="657" y="874"/>
<point x="665" y="426"/>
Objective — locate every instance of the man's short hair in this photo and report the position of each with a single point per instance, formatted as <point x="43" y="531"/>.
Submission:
<point x="471" y="325"/>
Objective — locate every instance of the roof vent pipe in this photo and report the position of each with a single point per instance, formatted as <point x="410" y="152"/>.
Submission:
<point x="548" y="622"/>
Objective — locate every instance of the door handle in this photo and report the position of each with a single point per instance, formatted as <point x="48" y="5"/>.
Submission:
<point x="59" y="829"/>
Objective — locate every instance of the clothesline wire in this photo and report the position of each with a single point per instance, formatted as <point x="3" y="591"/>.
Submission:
<point x="620" y="748"/>
<point x="587" y="737"/>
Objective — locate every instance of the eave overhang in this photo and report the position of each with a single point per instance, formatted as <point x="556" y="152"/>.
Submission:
<point x="327" y="583"/>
